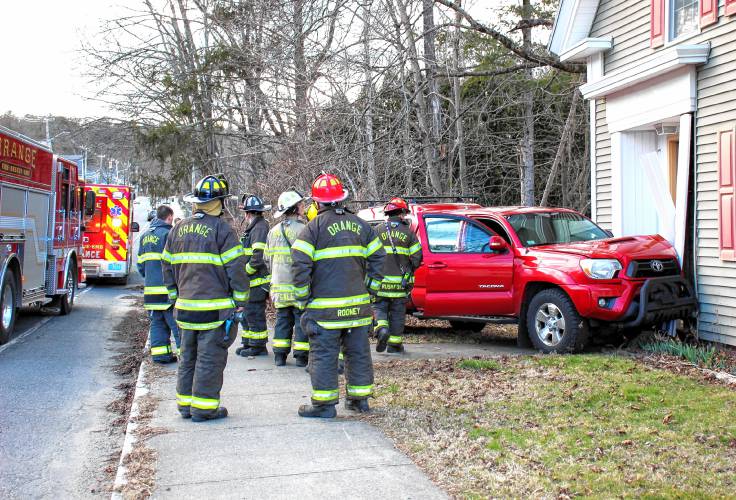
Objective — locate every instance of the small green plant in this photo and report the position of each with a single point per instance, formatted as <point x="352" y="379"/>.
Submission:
<point x="706" y="356"/>
<point x="479" y="364"/>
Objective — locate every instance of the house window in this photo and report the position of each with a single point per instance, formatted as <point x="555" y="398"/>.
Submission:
<point x="683" y="17"/>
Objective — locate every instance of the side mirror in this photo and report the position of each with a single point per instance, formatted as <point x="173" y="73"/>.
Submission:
<point x="498" y="244"/>
<point x="89" y="203"/>
<point x="134" y="227"/>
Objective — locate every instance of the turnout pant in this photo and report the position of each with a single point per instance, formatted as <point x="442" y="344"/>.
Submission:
<point x="203" y="360"/>
<point x="163" y="326"/>
<point x="255" y="331"/>
<point x="324" y="351"/>
<point x="391" y="313"/>
<point x="288" y="325"/>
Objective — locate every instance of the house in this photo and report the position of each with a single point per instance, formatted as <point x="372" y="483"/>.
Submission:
<point x="661" y="86"/>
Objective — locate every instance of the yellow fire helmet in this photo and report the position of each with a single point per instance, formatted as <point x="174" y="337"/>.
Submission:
<point x="312" y="210"/>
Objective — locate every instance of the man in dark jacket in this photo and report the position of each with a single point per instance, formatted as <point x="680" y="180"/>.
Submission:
<point x="155" y="295"/>
<point x="204" y="271"/>
<point x="337" y="262"/>
<point x="255" y="330"/>
<point x="404" y="255"/>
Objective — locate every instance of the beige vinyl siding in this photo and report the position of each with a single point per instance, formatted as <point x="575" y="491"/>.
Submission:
<point x="716" y="111"/>
<point x="627" y="22"/>
<point x="602" y="166"/>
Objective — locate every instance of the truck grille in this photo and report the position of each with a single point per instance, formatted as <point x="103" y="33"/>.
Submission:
<point x="653" y="268"/>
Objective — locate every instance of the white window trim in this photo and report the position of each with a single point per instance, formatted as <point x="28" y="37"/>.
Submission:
<point x="668" y="39"/>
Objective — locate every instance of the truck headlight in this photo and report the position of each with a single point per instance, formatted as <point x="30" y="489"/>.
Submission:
<point x="600" y="269"/>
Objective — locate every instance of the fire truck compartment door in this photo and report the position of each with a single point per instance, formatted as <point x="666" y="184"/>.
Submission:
<point x="26" y="212"/>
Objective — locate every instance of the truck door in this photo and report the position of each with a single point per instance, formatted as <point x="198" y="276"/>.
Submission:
<point x="464" y="277"/>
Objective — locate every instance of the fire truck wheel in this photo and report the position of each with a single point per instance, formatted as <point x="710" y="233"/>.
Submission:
<point x="66" y="302"/>
<point x="8" y="311"/>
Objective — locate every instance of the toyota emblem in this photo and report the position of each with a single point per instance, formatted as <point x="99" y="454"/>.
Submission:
<point x="656" y="266"/>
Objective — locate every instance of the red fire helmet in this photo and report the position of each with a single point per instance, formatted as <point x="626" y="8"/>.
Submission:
<point x="396" y="204"/>
<point x="327" y="188"/>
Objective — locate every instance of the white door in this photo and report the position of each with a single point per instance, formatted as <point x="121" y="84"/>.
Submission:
<point x="638" y="209"/>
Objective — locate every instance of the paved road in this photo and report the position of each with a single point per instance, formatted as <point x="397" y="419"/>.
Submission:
<point x="55" y="432"/>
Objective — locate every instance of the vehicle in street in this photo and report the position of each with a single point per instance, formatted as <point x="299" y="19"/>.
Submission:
<point x="108" y="235"/>
<point x="42" y="202"/>
<point x="552" y="270"/>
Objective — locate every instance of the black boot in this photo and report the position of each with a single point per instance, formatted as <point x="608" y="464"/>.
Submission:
<point x="185" y="413"/>
<point x="279" y="358"/>
<point x="301" y="361"/>
<point x="254" y="351"/>
<point x="321" y="411"/>
<point x="221" y="412"/>
<point x="359" y="405"/>
<point x="382" y="334"/>
<point x="395" y="349"/>
<point x="240" y="349"/>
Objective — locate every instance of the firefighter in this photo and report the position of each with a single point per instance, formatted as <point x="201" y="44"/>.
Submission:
<point x="337" y="265"/>
<point x="155" y="294"/>
<point x="278" y="255"/>
<point x="404" y="255"/>
<point x="255" y="330"/>
<point x="204" y="272"/>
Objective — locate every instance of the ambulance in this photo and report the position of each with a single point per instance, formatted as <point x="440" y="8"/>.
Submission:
<point x="108" y="241"/>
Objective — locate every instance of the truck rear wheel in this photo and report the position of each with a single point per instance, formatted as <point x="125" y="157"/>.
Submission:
<point x="554" y="324"/>
<point x="66" y="301"/>
<point x="8" y="311"/>
<point x="469" y="326"/>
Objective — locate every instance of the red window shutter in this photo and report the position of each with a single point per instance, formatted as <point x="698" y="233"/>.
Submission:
<point x="730" y="7"/>
<point x="708" y="12"/>
<point x="656" y="24"/>
<point x="726" y="194"/>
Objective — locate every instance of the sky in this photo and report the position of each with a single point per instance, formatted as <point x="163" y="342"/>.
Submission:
<point x="44" y="70"/>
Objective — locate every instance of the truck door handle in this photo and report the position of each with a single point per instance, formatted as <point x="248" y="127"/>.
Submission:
<point x="437" y="265"/>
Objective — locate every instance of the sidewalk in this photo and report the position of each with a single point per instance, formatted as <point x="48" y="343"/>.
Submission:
<point x="264" y="450"/>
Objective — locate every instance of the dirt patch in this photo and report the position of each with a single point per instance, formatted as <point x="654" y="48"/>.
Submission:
<point x="560" y="426"/>
<point x="424" y="331"/>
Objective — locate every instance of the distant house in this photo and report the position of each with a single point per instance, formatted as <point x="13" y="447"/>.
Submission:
<point x="662" y="93"/>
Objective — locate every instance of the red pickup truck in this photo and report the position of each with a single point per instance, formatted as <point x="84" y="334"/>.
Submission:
<point x="552" y="270"/>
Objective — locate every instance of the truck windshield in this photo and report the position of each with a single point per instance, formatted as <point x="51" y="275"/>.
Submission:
<point x="550" y="228"/>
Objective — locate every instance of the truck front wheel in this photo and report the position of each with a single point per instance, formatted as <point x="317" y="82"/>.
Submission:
<point x="8" y="311"/>
<point x="66" y="301"/>
<point x="554" y="324"/>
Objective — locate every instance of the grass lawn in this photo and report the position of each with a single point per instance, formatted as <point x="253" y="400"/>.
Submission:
<point x="560" y="426"/>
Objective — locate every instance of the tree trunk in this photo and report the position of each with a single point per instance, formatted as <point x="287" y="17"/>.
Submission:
<point x="527" y="139"/>
<point x="433" y="93"/>
<point x="567" y="131"/>
<point x="458" y="105"/>
<point x="431" y="156"/>
<point x="300" y="78"/>
<point x="370" y="147"/>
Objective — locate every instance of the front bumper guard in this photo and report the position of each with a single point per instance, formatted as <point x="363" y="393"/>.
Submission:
<point x="661" y="300"/>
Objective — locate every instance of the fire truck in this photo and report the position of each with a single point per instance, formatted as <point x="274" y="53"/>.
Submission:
<point x="42" y="205"/>
<point x="108" y="235"/>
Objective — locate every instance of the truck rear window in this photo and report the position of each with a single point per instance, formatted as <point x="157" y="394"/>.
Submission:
<point x="550" y="228"/>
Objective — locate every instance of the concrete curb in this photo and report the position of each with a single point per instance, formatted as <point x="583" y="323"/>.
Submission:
<point x="141" y="389"/>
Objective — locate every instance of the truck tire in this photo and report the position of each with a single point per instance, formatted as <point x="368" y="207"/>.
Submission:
<point x="554" y="324"/>
<point x="467" y="326"/>
<point x="66" y="302"/>
<point x="8" y="311"/>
